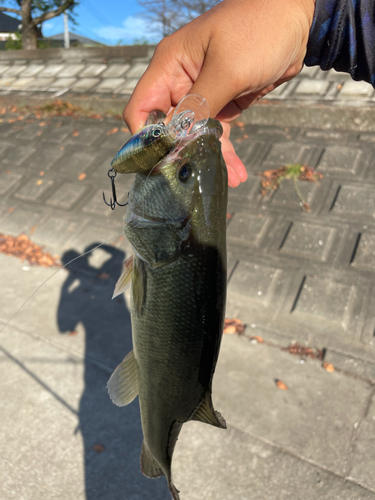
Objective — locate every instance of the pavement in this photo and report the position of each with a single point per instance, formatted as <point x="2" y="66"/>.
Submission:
<point x="294" y="277"/>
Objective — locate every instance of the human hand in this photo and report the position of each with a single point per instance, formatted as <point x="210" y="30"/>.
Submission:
<point x="232" y="55"/>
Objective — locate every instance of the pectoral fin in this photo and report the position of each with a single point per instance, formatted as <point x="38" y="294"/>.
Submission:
<point x="124" y="280"/>
<point x="123" y="384"/>
<point x="206" y="413"/>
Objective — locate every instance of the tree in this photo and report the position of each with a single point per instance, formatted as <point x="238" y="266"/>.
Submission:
<point x="35" y="12"/>
<point x="167" y="16"/>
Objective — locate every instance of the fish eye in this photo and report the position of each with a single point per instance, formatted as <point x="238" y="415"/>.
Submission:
<point x="156" y="132"/>
<point x="186" y="171"/>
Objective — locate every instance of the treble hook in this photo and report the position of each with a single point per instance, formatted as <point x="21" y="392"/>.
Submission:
<point x="112" y="174"/>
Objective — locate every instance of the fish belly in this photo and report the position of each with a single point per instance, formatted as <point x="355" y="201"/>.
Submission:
<point x="176" y="344"/>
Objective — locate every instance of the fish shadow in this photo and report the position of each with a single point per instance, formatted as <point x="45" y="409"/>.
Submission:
<point x="112" y="436"/>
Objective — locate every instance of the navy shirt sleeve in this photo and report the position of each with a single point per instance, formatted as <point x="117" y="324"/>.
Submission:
<point x="342" y="37"/>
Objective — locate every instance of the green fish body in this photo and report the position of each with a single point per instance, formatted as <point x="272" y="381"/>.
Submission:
<point x="176" y="223"/>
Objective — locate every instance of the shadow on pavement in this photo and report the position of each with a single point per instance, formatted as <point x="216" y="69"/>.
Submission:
<point x="114" y="473"/>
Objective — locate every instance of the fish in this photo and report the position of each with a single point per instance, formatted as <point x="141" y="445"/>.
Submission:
<point x="152" y="142"/>
<point x="176" y="224"/>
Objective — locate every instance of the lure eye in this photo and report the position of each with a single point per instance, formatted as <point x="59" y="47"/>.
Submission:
<point x="156" y="132"/>
<point x="186" y="171"/>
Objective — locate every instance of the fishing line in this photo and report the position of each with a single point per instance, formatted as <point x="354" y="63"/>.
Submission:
<point x="53" y="274"/>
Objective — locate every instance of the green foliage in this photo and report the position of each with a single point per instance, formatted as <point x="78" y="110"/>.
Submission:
<point x="16" y="43"/>
<point x="140" y="41"/>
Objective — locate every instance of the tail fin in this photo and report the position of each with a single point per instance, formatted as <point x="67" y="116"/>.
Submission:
<point x="152" y="469"/>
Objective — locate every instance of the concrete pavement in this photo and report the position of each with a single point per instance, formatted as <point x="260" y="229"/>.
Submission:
<point x="294" y="277"/>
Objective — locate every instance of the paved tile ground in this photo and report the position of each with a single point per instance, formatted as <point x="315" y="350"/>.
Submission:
<point x="293" y="276"/>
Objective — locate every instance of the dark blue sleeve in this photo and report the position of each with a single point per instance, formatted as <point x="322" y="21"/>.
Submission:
<point x="342" y="37"/>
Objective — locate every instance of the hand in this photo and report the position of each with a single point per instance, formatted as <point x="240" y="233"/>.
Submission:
<point x="232" y="55"/>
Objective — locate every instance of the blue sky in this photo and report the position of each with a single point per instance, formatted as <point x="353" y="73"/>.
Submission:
<point x="106" y="21"/>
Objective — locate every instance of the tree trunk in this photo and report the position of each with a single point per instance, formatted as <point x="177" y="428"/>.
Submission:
<point x="29" y="31"/>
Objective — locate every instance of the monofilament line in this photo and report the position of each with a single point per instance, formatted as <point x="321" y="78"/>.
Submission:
<point x="53" y="274"/>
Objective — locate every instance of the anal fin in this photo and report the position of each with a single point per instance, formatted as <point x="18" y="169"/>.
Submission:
<point x="123" y="384"/>
<point x="206" y="413"/>
<point x="149" y="465"/>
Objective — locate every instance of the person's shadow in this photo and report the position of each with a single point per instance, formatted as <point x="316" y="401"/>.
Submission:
<point x="112" y="436"/>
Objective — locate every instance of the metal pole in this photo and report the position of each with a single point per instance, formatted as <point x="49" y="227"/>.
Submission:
<point x="66" y="32"/>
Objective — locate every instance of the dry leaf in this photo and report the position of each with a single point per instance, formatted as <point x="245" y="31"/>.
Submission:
<point x="10" y="210"/>
<point x="75" y="133"/>
<point x="99" y="448"/>
<point x="328" y="367"/>
<point x="258" y="338"/>
<point x="306" y="352"/>
<point x="8" y="172"/>
<point x="21" y="246"/>
<point x="81" y="176"/>
<point x="103" y="276"/>
<point x="39" y="133"/>
<point x="233" y="325"/>
<point x="42" y="124"/>
<point x="281" y="385"/>
<point x="229" y="216"/>
<point x="41" y="173"/>
<point x="124" y="129"/>
<point x="113" y="131"/>
<point x="73" y="332"/>
<point x="32" y="230"/>
<point x="39" y="182"/>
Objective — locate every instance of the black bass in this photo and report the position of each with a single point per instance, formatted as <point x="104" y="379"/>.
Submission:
<point x="176" y="223"/>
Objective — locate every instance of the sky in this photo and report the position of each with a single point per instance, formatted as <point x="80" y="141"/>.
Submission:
<point x="106" y="21"/>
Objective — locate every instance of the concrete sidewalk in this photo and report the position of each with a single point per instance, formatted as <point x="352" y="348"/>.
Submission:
<point x="294" y="277"/>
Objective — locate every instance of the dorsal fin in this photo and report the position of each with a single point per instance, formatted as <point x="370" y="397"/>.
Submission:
<point x="206" y="413"/>
<point x="123" y="384"/>
<point x="124" y="280"/>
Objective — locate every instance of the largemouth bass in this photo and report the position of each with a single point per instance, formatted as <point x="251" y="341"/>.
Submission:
<point x="176" y="223"/>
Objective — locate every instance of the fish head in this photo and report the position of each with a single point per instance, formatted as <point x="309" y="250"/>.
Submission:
<point x="183" y="198"/>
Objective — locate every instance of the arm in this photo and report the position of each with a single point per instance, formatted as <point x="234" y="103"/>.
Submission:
<point x="342" y="37"/>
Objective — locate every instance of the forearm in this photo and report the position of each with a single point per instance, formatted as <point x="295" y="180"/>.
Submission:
<point x="342" y="37"/>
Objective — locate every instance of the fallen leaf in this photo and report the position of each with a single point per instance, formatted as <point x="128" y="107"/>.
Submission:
<point x="306" y="352"/>
<point x="281" y="385"/>
<point x="99" y="448"/>
<point x="73" y="332"/>
<point x="229" y="216"/>
<point x="10" y="210"/>
<point x="328" y="367"/>
<point x="21" y="246"/>
<point x="339" y="86"/>
<point x="112" y="131"/>
<point x="1" y="120"/>
<point x="258" y="338"/>
<point x="233" y="325"/>
<point x="75" y="133"/>
<point x="103" y="276"/>
<point x="124" y="129"/>
<point x="41" y="173"/>
<point x="42" y="124"/>
<point x="39" y="182"/>
<point x="8" y="172"/>
<point x="39" y="133"/>
<point x="3" y="111"/>
<point x="81" y="176"/>
<point x="32" y="230"/>
<point x="62" y="148"/>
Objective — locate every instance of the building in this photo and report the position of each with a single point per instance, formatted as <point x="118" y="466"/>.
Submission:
<point x="75" y="41"/>
<point x="8" y="26"/>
